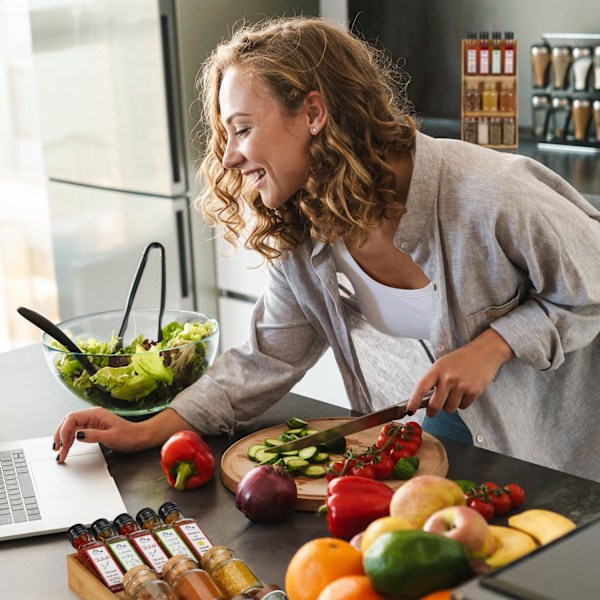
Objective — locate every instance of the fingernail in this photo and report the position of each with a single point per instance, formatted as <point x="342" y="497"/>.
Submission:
<point x="80" y="435"/>
<point x="410" y="413"/>
<point x="53" y="445"/>
<point x="58" y="456"/>
<point x="60" y="445"/>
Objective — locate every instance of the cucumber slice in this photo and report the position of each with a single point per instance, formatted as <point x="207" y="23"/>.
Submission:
<point x="254" y="449"/>
<point x="288" y="437"/>
<point x="314" y="471"/>
<point x="273" y="442"/>
<point x="309" y="431"/>
<point x="320" y="457"/>
<point x="298" y="431"/>
<point x="266" y="458"/>
<point x="308" y="453"/>
<point x="289" y="453"/>
<point x="295" y="422"/>
<point x="293" y="462"/>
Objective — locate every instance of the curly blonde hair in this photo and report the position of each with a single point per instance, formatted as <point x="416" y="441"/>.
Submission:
<point x="350" y="185"/>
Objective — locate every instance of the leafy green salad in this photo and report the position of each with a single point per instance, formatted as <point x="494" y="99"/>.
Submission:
<point x="144" y="371"/>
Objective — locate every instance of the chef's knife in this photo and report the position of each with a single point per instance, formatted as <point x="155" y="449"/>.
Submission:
<point x="398" y="411"/>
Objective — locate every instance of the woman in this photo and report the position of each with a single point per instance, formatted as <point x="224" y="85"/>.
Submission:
<point x="488" y="256"/>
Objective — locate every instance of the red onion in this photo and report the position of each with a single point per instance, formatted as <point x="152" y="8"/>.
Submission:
<point x="266" y="494"/>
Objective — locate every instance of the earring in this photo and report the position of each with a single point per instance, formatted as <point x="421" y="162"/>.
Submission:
<point x="313" y="130"/>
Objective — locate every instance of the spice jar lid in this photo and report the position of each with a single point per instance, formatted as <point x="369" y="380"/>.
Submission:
<point x="99" y="525"/>
<point x="123" y="518"/>
<point x="165" y="508"/>
<point x="145" y="513"/>
<point x="136" y="577"/>
<point x="76" y="530"/>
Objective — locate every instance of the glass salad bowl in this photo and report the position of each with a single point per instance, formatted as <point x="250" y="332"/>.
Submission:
<point x="141" y="375"/>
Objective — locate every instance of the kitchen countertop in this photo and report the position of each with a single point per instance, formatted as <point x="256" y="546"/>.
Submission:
<point x="580" y="168"/>
<point x="33" y="403"/>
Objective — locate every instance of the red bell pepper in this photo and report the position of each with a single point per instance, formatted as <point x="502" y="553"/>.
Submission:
<point x="187" y="461"/>
<point x="353" y="502"/>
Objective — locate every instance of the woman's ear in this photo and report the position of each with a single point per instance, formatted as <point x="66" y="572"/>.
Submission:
<point x="316" y="112"/>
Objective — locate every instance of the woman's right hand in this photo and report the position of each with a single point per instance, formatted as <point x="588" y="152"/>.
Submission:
<point x="100" y="425"/>
<point x="96" y="425"/>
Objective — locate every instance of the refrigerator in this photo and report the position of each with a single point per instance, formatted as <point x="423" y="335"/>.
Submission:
<point x="115" y="82"/>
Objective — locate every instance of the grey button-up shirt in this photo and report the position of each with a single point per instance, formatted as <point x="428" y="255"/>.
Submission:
<point x="508" y="244"/>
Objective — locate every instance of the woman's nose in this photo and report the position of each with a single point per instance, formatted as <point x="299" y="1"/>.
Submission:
<point x="232" y="157"/>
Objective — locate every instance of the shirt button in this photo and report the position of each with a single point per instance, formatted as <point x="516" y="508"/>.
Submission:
<point x="404" y="244"/>
<point x="479" y="438"/>
<point x="440" y="347"/>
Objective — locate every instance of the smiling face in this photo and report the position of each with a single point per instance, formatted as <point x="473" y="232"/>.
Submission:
<point x="268" y="146"/>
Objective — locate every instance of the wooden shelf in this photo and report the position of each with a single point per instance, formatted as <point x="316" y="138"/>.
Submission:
<point x="481" y="114"/>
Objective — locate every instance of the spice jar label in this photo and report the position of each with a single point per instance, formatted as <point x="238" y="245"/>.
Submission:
<point x="107" y="568"/>
<point x="195" y="536"/>
<point x="173" y="543"/>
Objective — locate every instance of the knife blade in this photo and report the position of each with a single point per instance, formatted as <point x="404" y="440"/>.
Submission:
<point x="397" y="411"/>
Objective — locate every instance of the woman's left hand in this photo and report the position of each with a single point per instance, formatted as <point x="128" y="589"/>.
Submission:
<point x="462" y="375"/>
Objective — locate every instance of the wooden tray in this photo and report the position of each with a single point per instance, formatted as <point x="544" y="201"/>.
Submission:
<point x="311" y="492"/>
<point x="85" y="584"/>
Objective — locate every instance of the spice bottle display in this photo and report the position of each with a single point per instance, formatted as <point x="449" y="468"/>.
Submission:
<point x="168" y="537"/>
<point x="489" y="108"/>
<point x="142" y="540"/>
<point x="231" y="574"/>
<point x="194" y="537"/>
<point x="94" y="555"/>
<point x="189" y="581"/>
<point x="142" y="583"/>
<point x="120" y="547"/>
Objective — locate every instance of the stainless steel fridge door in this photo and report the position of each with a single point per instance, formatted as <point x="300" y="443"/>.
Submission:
<point x="106" y="79"/>
<point x="98" y="239"/>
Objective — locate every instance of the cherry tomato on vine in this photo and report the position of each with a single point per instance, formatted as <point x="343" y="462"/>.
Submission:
<point x="333" y="470"/>
<point x="384" y="467"/>
<point x="516" y="494"/>
<point x="398" y="453"/>
<point x="363" y="470"/>
<point x="485" y="509"/>
<point x="416" y="427"/>
<point x="500" y="501"/>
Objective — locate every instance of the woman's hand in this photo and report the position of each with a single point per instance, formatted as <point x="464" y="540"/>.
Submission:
<point x="461" y="376"/>
<point x="100" y="425"/>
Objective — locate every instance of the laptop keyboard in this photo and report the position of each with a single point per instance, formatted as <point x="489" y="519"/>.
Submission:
<point x="17" y="496"/>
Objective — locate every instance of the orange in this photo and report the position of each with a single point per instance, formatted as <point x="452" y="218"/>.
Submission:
<point x="351" y="587"/>
<point x="439" y="595"/>
<point x="319" y="562"/>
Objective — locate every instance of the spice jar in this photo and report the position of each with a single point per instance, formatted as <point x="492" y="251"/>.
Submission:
<point x="470" y="130"/>
<point x="508" y="131"/>
<point x="490" y="97"/>
<point x="189" y="581"/>
<point x="495" y="131"/>
<point x="187" y="528"/>
<point x="483" y="131"/>
<point x="231" y="574"/>
<point x="472" y="98"/>
<point x="142" y="583"/>
<point x="507" y="97"/>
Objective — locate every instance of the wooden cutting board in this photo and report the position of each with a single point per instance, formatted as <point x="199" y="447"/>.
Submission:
<point x="311" y="492"/>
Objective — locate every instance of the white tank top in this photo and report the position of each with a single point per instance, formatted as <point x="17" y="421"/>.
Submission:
<point x="397" y="312"/>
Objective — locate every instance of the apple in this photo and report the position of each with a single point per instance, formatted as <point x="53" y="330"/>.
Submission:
<point x="417" y="499"/>
<point x="465" y="525"/>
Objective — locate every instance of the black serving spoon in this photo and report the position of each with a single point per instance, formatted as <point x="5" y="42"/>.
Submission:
<point x="60" y="336"/>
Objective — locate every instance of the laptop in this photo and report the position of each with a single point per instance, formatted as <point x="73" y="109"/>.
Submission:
<point x="39" y="496"/>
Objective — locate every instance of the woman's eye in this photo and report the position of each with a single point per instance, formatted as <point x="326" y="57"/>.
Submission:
<point x="242" y="131"/>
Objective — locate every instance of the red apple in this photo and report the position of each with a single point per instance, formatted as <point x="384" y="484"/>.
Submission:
<point x="465" y="525"/>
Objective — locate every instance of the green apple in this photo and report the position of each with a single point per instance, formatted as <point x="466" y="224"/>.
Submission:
<point x="465" y="525"/>
<point x="421" y="496"/>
